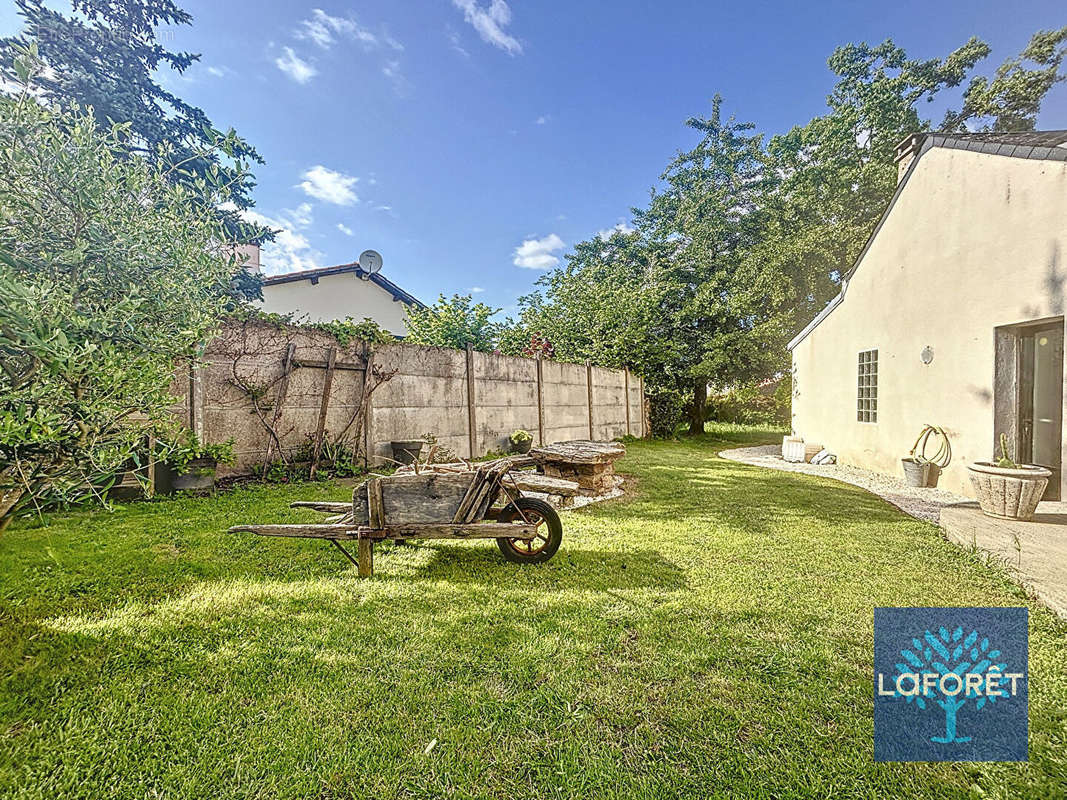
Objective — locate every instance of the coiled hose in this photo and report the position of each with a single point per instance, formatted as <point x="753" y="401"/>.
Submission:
<point x="942" y="457"/>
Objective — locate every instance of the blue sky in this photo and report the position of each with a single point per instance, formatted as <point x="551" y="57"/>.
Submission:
<point x="472" y="141"/>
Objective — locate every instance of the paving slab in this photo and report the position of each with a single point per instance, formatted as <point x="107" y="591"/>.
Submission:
<point x="1035" y="552"/>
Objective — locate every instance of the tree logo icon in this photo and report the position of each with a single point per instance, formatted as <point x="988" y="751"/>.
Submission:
<point x="949" y="678"/>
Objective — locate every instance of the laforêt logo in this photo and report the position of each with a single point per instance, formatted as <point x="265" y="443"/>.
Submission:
<point x="950" y="684"/>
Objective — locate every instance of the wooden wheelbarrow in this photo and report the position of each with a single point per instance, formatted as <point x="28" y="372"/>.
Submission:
<point x="434" y="505"/>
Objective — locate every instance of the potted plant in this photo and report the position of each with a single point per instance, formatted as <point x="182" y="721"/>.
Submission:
<point x="921" y="470"/>
<point x="1008" y="490"/>
<point x="521" y="441"/>
<point x="189" y="464"/>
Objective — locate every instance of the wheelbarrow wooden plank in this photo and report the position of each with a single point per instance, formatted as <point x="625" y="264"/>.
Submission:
<point x="316" y="531"/>
<point x="413" y="499"/>
<point x="325" y="507"/>
<point x="347" y="531"/>
<point x="469" y="530"/>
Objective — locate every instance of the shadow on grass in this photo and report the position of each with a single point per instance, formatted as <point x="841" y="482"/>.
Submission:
<point x="575" y="568"/>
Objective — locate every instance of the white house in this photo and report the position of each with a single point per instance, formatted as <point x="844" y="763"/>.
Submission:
<point x="953" y="314"/>
<point x="334" y="293"/>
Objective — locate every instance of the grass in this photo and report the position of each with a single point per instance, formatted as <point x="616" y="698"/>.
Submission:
<point x="708" y="636"/>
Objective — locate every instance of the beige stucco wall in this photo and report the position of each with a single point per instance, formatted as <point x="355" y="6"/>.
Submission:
<point x="335" y="297"/>
<point x="974" y="242"/>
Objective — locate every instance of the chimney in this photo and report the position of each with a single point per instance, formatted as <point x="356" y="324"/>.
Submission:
<point x="906" y="152"/>
<point x="248" y="255"/>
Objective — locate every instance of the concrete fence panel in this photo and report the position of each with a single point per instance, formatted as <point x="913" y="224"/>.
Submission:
<point x="470" y="401"/>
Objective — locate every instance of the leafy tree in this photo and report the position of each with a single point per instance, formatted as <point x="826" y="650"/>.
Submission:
<point x="455" y="322"/>
<point x="743" y="243"/>
<point x="105" y="57"/>
<point x="109" y="275"/>
<point x="676" y="299"/>
<point x="1011" y="100"/>
<point x="839" y="170"/>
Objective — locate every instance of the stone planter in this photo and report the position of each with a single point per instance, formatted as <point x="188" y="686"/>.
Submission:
<point x="1008" y="493"/>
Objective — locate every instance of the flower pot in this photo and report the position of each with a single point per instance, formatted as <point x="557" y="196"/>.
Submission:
<point x="1008" y="493"/>
<point x="199" y="475"/>
<point x="407" y="451"/>
<point x="521" y="447"/>
<point x="916" y="473"/>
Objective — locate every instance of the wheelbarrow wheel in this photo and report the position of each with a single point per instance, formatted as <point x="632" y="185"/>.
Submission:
<point x="547" y="539"/>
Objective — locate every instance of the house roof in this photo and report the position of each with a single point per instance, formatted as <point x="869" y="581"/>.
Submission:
<point x="1051" y="145"/>
<point x="376" y="278"/>
<point x="1046" y="145"/>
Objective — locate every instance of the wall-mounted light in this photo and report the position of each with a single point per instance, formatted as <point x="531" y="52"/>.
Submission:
<point x="927" y="355"/>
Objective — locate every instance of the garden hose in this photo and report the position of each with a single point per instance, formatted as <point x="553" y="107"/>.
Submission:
<point x="942" y="457"/>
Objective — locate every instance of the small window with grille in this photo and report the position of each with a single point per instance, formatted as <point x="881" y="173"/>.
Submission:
<point x="867" y="387"/>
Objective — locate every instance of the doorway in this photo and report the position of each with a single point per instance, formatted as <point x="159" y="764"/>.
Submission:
<point x="1030" y="388"/>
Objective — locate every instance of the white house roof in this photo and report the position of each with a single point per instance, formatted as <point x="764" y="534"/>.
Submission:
<point x="313" y="275"/>
<point x="1046" y="145"/>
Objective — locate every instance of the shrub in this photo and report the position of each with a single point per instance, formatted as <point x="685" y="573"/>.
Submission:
<point x="180" y="450"/>
<point x="520" y="436"/>
<point x="109" y="277"/>
<point x="665" y="408"/>
<point x="752" y="405"/>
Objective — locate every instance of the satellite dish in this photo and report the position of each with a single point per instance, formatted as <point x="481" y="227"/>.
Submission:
<point x="370" y="261"/>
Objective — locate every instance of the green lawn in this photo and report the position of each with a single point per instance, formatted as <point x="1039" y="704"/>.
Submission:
<point x="709" y="635"/>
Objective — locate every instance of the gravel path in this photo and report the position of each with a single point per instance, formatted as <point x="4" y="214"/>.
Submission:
<point x="924" y="504"/>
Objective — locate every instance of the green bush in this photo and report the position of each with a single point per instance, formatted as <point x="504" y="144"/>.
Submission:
<point x="752" y="405"/>
<point x="110" y="277"/>
<point x="665" y="408"/>
<point x="180" y="450"/>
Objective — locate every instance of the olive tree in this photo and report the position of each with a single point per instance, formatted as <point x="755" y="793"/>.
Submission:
<point x="110" y="274"/>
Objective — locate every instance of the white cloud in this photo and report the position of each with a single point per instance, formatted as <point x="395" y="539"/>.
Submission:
<point x="490" y="22"/>
<point x="344" y="229"/>
<point x="290" y="251"/>
<point x="323" y="30"/>
<point x="539" y="253"/>
<point x="329" y="185"/>
<point x="541" y="120"/>
<point x="216" y="72"/>
<point x="326" y="30"/>
<point x="607" y="233"/>
<point x="391" y="70"/>
<point x="476" y="290"/>
<point x="455" y="42"/>
<point x="301" y="215"/>
<point x="295" y="67"/>
<point x="383" y="208"/>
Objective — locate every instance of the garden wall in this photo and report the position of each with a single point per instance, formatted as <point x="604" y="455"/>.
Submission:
<point x="256" y="376"/>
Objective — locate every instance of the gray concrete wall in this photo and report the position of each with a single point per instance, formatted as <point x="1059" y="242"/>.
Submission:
<point x="428" y="393"/>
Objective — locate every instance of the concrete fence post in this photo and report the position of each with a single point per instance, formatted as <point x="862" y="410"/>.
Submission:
<point x="540" y="400"/>
<point x="626" y="396"/>
<point x="368" y="402"/>
<point x="645" y="411"/>
<point x="196" y="399"/>
<point x="324" y="408"/>
<point x="589" y="387"/>
<point x="472" y="417"/>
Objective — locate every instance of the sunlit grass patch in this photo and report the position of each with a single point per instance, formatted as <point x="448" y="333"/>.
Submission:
<point x="708" y="635"/>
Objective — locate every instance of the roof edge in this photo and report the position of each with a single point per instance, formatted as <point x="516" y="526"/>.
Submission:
<point x="341" y="269"/>
<point x="948" y="140"/>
